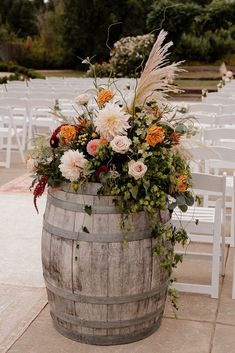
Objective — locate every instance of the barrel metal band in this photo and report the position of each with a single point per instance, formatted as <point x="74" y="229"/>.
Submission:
<point x="95" y="237"/>
<point x="107" y="324"/>
<point x="76" y="207"/>
<point x="80" y="298"/>
<point x="107" y="340"/>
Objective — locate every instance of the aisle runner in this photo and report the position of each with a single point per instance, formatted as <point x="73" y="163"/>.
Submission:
<point x="20" y="184"/>
<point x="22" y="292"/>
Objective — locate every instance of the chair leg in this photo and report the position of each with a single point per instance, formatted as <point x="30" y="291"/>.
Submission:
<point x="216" y="252"/>
<point x="233" y="289"/>
<point x="8" y="151"/>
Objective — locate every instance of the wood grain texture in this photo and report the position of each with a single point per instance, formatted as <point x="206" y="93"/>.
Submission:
<point x="100" y="270"/>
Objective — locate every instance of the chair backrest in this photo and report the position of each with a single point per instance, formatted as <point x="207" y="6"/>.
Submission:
<point x="228" y="108"/>
<point x="219" y="137"/>
<point x="219" y="100"/>
<point x="206" y="108"/>
<point x="210" y="184"/>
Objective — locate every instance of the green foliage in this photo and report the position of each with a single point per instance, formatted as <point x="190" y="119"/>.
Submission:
<point x="20" y="15"/>
<point x="208" y="48"/>
<point x="128" y="57"/>
<point x="100" y="70"/>
<point x="218" y="14"/>
<point x="130" y="54"/>
<point x="91" y="24"/>
<point x="20" y="73"/>
<point x="175" y="17"/>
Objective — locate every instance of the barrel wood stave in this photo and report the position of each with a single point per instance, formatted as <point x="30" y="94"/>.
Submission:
<point x="77" y="272"/>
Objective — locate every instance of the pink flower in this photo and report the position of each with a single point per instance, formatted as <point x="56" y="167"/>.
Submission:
<point x="93" y="146"/>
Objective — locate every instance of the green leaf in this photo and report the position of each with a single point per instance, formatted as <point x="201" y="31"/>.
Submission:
<point x="85" y="230"/>
<point x="189" y="200"/>
<point x="88" y="210"/>
<point x="146" y="184"/>
<point x="172" y="206"/>
<point x="134" y="191"/>
<point x="180" y="200"/>
<point x="183" y="208"/>
<point x="180" y="128"/>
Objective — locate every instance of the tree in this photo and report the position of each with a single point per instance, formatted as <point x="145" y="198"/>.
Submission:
<point x="88" y="24"/>
<point x="175" y="17"/>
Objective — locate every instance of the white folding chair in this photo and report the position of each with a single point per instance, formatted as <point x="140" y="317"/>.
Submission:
<point x="39" y="112"/>
<point x="228" y="108"/>
<point x="210" y="229"/>
<point x="8" y="131"/>
<point x="19" y="111"/>
<point x="215" y="160"/>
<point x="224" y="137"/>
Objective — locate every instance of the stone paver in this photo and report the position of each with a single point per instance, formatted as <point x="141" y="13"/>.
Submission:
<point x="224" y="339"/>
<point x="18" y="307"/>
<point x="174" y="336"/>
<point x="20" y="240"/>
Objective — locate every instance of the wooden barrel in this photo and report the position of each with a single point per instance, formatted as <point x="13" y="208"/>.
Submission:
<point x="99" y="291"/>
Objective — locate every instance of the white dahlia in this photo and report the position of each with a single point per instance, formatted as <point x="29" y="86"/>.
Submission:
<point x="72" y="164"/>
<point x="111" y="121"/>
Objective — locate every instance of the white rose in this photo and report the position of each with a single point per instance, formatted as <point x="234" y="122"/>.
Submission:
<point x="82" y="99"/>
<point x="137" y="169"/>
<point x="120" y="144"/>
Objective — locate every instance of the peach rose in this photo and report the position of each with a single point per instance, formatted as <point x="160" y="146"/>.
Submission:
<point x="120" y="144"/>
<point x="93" y="146"/>
<point x="104" y="96"/>
<point x="155" y="135"/>
<point x="68" y="132"/>
<point x="137" y="169"/>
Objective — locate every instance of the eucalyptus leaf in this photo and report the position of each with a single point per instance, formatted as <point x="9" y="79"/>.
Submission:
<point x="180" y="200"/>
<point x="172" y="206"/>
<point x="183" y="208"/>
<point x="189" y="200"/>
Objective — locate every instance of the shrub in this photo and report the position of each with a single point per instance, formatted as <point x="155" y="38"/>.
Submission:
<point x="101" y="70"/>
<point x="210" y="47"/>
<point x="19" y="72"/>
<point x="129" y="55"/>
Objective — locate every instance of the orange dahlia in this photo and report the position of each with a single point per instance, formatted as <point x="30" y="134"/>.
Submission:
<point x="104" y="96"/>
<point x="155" y="135"/>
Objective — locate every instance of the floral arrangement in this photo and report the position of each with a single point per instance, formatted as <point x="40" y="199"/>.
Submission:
<point x="132" y="146"/>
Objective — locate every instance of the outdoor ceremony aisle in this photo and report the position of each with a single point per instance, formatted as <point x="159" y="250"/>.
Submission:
<point x="204" y="325"/>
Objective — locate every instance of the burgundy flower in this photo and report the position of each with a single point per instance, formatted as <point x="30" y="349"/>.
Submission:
<point x="175" y="138"/>
<point x="54" y="140"/>
<point x="39" y="189"/>
<point x="102" y="169"/>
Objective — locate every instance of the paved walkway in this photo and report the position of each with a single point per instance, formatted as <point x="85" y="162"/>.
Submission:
<point x="204" y="325"/>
